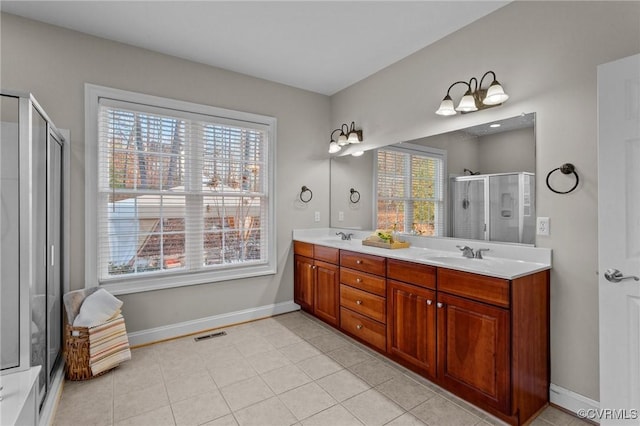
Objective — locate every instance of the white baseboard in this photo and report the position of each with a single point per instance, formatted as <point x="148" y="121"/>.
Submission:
<point x="570" y="400"/>
<point x="188" y="327"/>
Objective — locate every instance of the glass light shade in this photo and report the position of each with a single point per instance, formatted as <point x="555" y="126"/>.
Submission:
<point x="334" y="147"/>
<point x="353" y="138"/>
<point x="495" y="94"/>
<point x="446" y="107"/>
<point x="357" y="153"/>
<point x="467" y="103"/>
<point x="342" y="140"/>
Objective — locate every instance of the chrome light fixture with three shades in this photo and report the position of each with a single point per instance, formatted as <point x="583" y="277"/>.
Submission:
<point x="475" y="98"/>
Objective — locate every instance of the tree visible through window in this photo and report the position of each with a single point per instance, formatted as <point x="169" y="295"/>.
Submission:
<point x="410" y="187"/>
<point x="179" y="192"/>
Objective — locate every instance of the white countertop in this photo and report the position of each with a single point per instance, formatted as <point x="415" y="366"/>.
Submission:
<point x="508" y="261"/>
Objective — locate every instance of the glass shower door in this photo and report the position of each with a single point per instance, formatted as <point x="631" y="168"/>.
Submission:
<point x="468" y="209"/>
<point x="54" y="279"/>
<point x="9" y="234"/>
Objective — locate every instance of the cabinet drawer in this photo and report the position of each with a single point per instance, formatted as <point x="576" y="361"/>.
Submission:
<point x="413" y="273"/>
<point x="366" y="282"/>
<point x="366" y="329"/>
<point x="363" y="262"/>
<point x="364" y="303"/>
<point x="303" y="249"/>
<point x="327" y="254"/>
<point x="477" y="287"/>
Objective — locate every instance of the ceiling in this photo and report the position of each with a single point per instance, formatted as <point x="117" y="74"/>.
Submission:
<point x="321" y="46"/>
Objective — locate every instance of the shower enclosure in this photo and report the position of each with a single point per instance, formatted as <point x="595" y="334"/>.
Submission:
<point x="32" y="263"/>
<point x="495" y="207"/>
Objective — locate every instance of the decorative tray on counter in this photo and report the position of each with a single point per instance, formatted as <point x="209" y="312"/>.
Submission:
<point x="382" y="244"/>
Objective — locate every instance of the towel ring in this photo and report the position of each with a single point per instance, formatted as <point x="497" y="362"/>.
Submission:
<point x="303" y="191"/>
<point x="355" y="196"/>
<point x="565" y="169"/>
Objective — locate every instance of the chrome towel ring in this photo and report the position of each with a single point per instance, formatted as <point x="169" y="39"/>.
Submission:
<point x="305" y="198"/>
<point x="354" y="197"/>
<point x="565" y="169"/>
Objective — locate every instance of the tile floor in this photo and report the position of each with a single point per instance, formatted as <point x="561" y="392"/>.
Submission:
<point x="286" y="370"/>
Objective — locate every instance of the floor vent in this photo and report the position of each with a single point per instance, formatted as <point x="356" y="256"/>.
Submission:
<point x="210" y="336"/>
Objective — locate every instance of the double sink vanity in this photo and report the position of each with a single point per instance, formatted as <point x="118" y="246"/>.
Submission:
<point x="477" y="327"/>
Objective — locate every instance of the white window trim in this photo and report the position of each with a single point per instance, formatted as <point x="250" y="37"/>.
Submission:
<point x="155" y="282"/>
<point x="415" y="149"/>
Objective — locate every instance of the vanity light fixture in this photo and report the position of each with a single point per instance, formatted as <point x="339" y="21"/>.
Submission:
<point x="348" y="135"/>
<point x="475" y="98"/>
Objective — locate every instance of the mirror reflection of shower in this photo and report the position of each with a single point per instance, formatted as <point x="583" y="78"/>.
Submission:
<point x="465" y="200"/>
<point x="496" y="207"/>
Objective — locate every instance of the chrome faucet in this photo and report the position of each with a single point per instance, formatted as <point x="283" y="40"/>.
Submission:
<point x="479" y="253"/>
<point x="466" y="251"/>
<point x="344" y="236"/>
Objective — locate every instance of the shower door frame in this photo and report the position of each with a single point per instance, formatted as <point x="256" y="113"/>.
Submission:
<point x="452" y="210"/>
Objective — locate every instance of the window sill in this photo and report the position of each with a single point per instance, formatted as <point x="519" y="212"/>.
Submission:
<point x="159" y="282"/>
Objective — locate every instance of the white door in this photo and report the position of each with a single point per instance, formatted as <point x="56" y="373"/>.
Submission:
<point x="619" y="240"/>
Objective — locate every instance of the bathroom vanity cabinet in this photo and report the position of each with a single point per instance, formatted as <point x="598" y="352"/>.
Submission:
<point x="316" y="284"/>
<point x="486" y="339"/>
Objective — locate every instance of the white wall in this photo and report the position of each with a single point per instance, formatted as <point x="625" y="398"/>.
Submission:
<point x="54" y="63"/>
<point x="545" y="54"/>
<point x="512" y="151"/>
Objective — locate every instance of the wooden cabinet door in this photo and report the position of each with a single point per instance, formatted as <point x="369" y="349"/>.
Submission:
<point x="473" y="351"/>
<point x="327" y="292"/>
<point x="411" y="326"/>
<point x="303" y="284"/>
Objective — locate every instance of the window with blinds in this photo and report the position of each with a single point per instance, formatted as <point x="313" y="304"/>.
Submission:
<point x="410" y="187"/>
<point x="180" y="193"/>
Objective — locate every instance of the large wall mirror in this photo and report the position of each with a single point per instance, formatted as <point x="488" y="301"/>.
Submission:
<point x="473" y="183"/>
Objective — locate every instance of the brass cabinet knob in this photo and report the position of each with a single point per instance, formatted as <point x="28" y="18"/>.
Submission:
<point x="359" y="326"/>
<point x="358" y="261"/>
<point x="440" y="305"/>
<point x="358" y="302"/>
<point x="429" y="301"/>
<point x="358" y="280"/>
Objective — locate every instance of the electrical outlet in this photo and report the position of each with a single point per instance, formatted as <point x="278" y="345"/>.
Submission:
<point x="316" y="216"/>
<point x="340" y="216"/>
<point x="542" y="226"/>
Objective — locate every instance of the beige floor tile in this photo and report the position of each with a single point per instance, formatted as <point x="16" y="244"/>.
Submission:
<point x="188" y="364"/>
<point x="282" y="338"/>
<point x="374" y="371"/>
<point x="438" y="410"/>
<point x="299" y="351"/>
<point x="560" y="418"/>
<point x="190" y="385"/>
<point x="245" y="393"/>
<point x="310" y="330"/>
<point x="328" y="342"/>
<point x="126" y="381"/>
<point x="372" y="408"/>
<point x="307" y="400"/>
<point x="538" y="421"/>
<point x="343" y="385"/>
<point x="292" y="320"/>
<point x="92" y="411"/>
<point x="227" y="420"/>
<point x="162" y="416"/>
<point x="97" y="388"/>
<point x="139" y="402"/>
<point x="270" y="412"/>
<point x="407" y="419"/>
<point x="253" y="345"/>
<point x="268" y="361"/>
<point x="405" y="392"/>
<point x="268" y="326"/>
<point x="285" y="378"/>
<point x="220" y="354"/>
<point x="319" y="366"/>
<point x="205" y="347"/>
<point x="227" y="372"/>
<point x="200" y="409"/>
<point x="336" y="415"/>
<point x="349" y="355"/>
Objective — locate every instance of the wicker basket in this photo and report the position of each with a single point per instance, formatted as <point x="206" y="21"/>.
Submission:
<point x="76" y="353"/>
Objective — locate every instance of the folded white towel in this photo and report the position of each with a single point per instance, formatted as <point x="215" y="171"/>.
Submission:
<point x="96" y="309"/>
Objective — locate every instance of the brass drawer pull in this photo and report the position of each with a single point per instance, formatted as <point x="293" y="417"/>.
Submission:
<point x="440" y="304"/>
<point x="358" y="302"/>
<point x="358" y="261"/>
<point x="358" y="280"/>
<point x="359" y="326"/>
<point x="429" y="301"/>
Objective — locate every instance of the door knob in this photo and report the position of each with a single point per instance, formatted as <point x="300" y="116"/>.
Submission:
<point x="615" y="276"/>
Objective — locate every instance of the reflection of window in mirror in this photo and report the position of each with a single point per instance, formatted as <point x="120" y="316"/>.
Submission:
<point x="410" y="188"/>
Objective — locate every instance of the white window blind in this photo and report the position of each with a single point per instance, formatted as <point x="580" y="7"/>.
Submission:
<point x="410" y="186"/>
<point x="180" y="194"/>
